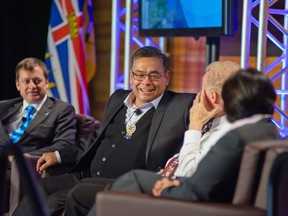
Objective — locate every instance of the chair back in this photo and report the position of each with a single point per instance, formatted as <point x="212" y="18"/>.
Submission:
<point x="257" y="160"/>
<point x="85" y="125"/>
<point x="277" y="188"/>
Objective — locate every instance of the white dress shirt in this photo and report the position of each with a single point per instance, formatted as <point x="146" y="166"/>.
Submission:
<point x="196" y="147"/>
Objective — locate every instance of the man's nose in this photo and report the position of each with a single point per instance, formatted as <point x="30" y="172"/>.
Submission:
<point x="32" y="84"/>
<point x="147" y="80"/>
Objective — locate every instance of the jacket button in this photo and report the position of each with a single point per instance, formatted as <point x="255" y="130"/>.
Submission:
<point x="98" y="173"/>
<point x="113" y="145"/>
<point x="103" y="159"/>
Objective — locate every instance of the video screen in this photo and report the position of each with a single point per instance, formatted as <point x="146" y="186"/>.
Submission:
<point x="171" y="14"/>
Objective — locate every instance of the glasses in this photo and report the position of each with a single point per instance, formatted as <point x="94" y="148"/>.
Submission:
<point x="153" y="76"/>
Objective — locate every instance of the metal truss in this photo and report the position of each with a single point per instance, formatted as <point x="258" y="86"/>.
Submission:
<point x="269" y="27"/>
<point x="125" y="25"/>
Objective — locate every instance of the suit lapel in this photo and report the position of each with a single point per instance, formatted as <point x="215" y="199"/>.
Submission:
<point x="111" y="115"/>
<point x="11" y="111"/>
<point x="156" y="121"/>
<point x="114" y="107"/>
<point x="4" y="137"/>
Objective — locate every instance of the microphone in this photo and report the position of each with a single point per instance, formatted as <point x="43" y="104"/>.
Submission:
<point x="138" y="112"/>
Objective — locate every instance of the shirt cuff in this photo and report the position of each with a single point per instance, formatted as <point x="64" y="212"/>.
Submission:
<point x="192" y="135"/>
<point x="58" y="157"/>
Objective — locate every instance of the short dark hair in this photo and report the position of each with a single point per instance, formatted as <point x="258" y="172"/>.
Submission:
<point x="28" y="64"/>
<point x="246" y="93"/>
<point x="149" y="51"/>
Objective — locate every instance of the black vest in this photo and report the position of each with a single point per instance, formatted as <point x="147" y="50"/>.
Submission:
<point x="117" y="155"/>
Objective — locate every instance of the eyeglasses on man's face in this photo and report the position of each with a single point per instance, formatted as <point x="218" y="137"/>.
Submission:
<point x="153" y="76"/>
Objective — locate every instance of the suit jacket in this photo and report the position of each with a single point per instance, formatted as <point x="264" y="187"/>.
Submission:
<point x="169" y="122"/>
<point x="52" y="128"/>
<point x="216" y="176"/>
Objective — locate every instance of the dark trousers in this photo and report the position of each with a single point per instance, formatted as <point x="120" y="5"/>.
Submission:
<point x="54" y="191"/>
<point x="72" y="190"/>
<point x="136" y="181"/>
<point x="81" y="197"/>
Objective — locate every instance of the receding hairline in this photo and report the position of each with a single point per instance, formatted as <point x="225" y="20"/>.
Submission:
<point x="218" y="72"/>
<point x="29" y="64"/>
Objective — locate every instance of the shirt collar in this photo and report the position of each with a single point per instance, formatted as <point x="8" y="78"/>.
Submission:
<point x="37" y="106"/>
<point x="128" y="102"/>
<point x="219" y="121"/>
<point x="250" y="120"/>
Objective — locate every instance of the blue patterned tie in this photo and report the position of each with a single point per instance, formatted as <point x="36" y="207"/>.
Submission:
<point x="16" y="134"/>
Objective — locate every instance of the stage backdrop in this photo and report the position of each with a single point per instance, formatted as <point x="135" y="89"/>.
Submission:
<point x="60" y="32"/>
<point x="24" y="27"/>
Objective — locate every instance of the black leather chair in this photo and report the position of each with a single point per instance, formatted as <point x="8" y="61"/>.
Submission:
<point x="278" y="188"/>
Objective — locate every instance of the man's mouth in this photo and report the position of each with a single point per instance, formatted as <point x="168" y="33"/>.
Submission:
<point x="33" y="93"/>
<point x="146" y="90"/>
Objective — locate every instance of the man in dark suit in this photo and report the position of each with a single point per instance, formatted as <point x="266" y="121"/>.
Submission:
<point x="141" y="129"/>
<point x="53" y="124"/>
<point x="248" y="102"/>
<point x="52" y="128"/>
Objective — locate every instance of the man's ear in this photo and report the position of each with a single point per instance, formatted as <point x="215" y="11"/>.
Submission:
<point x="17" y="86"/>
<point x="167" y="76"/>
<point x="215" y="97"/>
<point x="130" y="77"/>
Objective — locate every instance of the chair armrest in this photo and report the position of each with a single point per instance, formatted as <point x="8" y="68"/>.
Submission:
<point x="16" y="185"/>
<point x="59" y="169"/>
<point x="142" y="205"/>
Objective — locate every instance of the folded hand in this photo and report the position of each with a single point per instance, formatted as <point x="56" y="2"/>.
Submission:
<point x="162" y="184"/>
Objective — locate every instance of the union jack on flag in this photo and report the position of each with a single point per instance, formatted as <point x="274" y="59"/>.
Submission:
<point x="66" y="53"/>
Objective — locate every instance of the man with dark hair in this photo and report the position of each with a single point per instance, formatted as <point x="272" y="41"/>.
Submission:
<point x="140" y="130"/>
<point x="248" y="97"/>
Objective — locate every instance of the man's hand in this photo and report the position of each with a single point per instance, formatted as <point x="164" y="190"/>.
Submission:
<point x="46" y="160"/>
<point x="160" y="185"/>
<point x="199" y="114"/>
<point x="10" y="158"/>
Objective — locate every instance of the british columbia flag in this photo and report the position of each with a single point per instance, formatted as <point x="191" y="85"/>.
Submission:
<point x="66" y="56"/>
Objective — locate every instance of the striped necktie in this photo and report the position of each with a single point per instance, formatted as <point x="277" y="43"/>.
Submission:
<point x="16" y="134"/>
<point x="171" y="167"/>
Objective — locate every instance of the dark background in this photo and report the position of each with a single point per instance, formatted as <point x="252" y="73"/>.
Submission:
<point x="24" y="26"/>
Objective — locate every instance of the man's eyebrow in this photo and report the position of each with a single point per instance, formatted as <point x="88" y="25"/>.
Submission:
<point x="139" y="71"/>
<point x="155" y="71"/>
